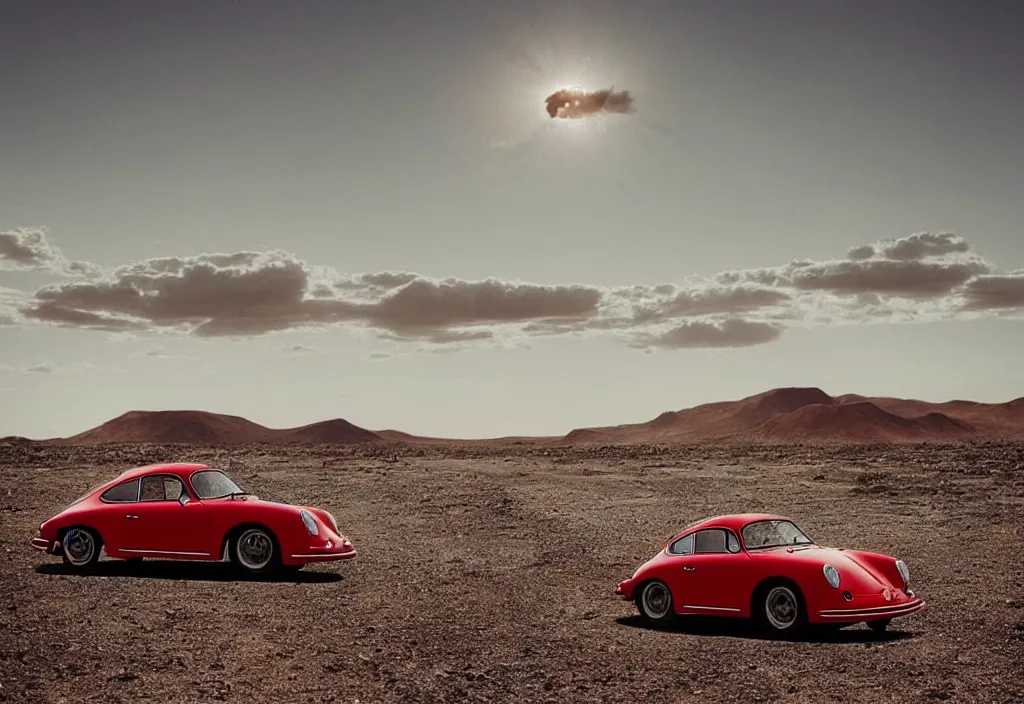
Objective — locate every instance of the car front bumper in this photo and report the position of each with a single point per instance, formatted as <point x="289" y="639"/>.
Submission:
<point x="45" y="545"/>
<point x="342" y="551"/>
<point x="875" y="613"/>
<point x="624" y="589"/>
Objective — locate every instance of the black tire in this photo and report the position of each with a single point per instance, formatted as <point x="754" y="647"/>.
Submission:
<point x="780" y="609"/>
<point x="254" y="550"/>
<point x="880" y="625"/>
<point x="654" y="602"/>
<point x="80" y="548"/>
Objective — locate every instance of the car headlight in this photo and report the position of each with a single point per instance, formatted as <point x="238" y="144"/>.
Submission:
<point x="901" y="566"/>
<point x="334" y="522"/>
<point x="307" y="520"/>
<point x="832" y="575"/>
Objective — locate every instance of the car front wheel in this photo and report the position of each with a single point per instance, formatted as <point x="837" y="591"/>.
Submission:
<point x="254" y="551"/>
<point x="655" y="602"/>
<point x="80" y="548"/>
<point x="780" y="610"/>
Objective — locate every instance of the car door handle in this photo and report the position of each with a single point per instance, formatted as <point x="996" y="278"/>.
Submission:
<point x="687" y="568"/>
<point x="131" y="515"/>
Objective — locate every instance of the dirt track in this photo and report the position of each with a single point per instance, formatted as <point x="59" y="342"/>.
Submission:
<point x="487" y="575"/>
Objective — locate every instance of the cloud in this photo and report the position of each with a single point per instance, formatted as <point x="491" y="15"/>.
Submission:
<point x="243" y="294"/>
<point x="920" y="246"/>
<point x="732" y="332"/>
<point x="387" y="279"/>
<point x="253" y="293"/>
<point x="49" y="312"/>
<point x="447" y="337"/>
<point x="160" y="353"/>
<point x="707" y="301"/>
<point x="865" y="251"/>
<point x="921" y="266"/>
<point x="9" y="302"/>
<point x="995" y="292"/>
<point x="48" y="368"/>
<point x="424" y="304"/>
<point x="28" y="248"/>
<point x="911" y="278"/>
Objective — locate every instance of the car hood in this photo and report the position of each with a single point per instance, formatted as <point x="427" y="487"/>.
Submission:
<point x="855" y="573"/>
<point x="250" y="499"/>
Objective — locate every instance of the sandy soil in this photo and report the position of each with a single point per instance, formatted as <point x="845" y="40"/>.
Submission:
<point x="488" y="575"/>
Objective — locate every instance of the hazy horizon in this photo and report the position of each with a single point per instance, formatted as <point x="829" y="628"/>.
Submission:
<point x="293" y="213"/>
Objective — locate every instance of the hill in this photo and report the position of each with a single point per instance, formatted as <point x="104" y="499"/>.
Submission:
<point x="785" y="415"/>
<point x="857" y="423"/>
<point x="204" y="428"/>
<point x="328" y="432"/>
<point x="792" y="415"/>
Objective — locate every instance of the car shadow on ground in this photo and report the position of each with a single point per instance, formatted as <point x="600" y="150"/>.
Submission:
<point x="192" y="571"/>
<point x="743" y="628"/>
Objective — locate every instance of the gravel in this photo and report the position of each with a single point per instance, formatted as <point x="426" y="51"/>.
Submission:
<point x="486" y="574"/>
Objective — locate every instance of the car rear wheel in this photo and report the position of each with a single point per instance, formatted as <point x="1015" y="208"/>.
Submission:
<point x="80" y="548"/>
<point x="880" y="625"/>
<point x="655" y="602"/>
<point x="254" y="550"/>
<point x="780" y="610"/>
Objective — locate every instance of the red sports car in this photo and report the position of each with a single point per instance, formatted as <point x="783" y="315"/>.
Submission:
<point x="190" y="512"/>
<point x="764" y="567"/>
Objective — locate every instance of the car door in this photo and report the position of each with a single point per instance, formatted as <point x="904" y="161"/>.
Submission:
<point x="165" y="525"/>
<point x="714" y="576"/>
<point x="113" y="516"/>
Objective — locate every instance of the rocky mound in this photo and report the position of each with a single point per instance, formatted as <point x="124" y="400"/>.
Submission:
<point x="857" y="422"/>
<point x="204" y="428"/>
<point x="173" y="427"/>
<point x="328" y="432"/>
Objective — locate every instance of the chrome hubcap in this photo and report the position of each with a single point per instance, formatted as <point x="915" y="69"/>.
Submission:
<point x="255" y="549"/>
<point x="656" y="600"/>
<point x="781" y="607"/>
<point x="79" y="546"/>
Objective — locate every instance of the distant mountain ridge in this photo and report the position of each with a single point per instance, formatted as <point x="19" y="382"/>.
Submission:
<point x="789" y="415"/>
<point x="779" y="416"/>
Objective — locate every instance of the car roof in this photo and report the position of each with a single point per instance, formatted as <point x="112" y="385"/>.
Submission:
<point x="733" y="521"/>
<point x="179" y="468"/>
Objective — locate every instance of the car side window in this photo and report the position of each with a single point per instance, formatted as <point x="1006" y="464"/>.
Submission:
<point x="173" y="488"/>
<point x="732" y="542"/>
<point x="711" y="540"/>
<point x="683" y="546"/>
<point x="715" y="540"/>
<point x="125" y="492"/>
<point x="161" y="488"/>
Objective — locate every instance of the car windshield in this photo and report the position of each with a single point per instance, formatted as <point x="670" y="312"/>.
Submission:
<point x="773" y="534"/>
<point x="213" y="484"/>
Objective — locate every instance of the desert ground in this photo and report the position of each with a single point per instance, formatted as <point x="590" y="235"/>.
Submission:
<point x="487" y="574"/>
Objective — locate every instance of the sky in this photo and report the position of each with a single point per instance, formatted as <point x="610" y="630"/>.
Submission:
<point x="302" y="211"/>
